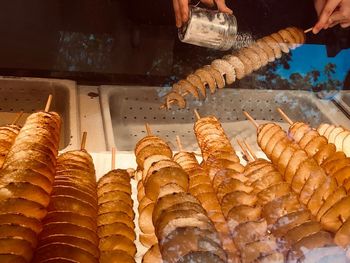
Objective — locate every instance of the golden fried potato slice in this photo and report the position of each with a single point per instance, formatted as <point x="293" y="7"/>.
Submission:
<point x="301" y="231"/>
<point x="315" y="145"/>
<point x="241" y="214"/>
<point x="268" y="50"/>
<point x="116" y="229"/>
<point x="15" y="246"/>
<point x="281" y="206"/>
<point x="117" y="256"/>
<point x="311" y="134"/>
<point x="322" y="128"/>
<point x="219" y="79"/>
<point x="75" y="192"/>
<point x="117" y="186"/>
<point x="114" y="206"/>
<point x="265" y="139"/>
<point x="24" y="190"/>
<point x="225" y="69"/>
<point x="188" y="239"/>
<point x="333" y="166"/>
<point x="334" y="133"/>
<point x="276" y="137"/>
<point x="148" y="240"/>
<point x="277" y="37"/>
<point x="11" y="258"/>
<point x="237" y="198"/>
<point x="237" y="64"/>
<point x="298" y="157"/>
<point x="321" y="194"/>
<point x="21" y="220"/>
<point x="18" y="232"/>
<point x="145" y="219"/>
<point x="342" y="175"/>
<point x="266" y="181"/>
<point x="338" y="141"/>
<point x="248" y="65"/>
<point x="22" y="206"/>
<point x="165" y="176"/>
<point x="274" y="45"/>
<point x="285" y="157"/>
<point x="117" y="242"/>
<point x="272" y="192"/>
<point x="290" y="221"/>
<point x="152" y="149"/>
<point x="72" y="204"/>
<point x="342" y="236"/>
<point x="279" y="148"/>
<point x="252" y="56"/>
<point x="72" y="218"/>
<point x="207" y="79"/>
<point x="301" y="132"/>
<point x="306" y="168"/>
<point x="152" y="255"/>
<point x="252" y="251"/>
<point x="171" y="220"/>
<point x="346" y="145"/>
<point x="334" y="198"/>
<point x="231" y="186"/>
<point x="335" y="216"/>
<point x="329" y="130"/>
<point x="184" y="87"/>
<point x="115" y="196"/>
<point x="314" y="182"/>
<point x="197" y="82"/>
<point x="115" y="217"/>
<point x="249" y="232"/>
<point x="317" y="240"/>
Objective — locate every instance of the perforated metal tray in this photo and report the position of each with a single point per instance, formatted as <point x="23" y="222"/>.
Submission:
<point x="129" y="108"/>
<point x="30" y="95"/>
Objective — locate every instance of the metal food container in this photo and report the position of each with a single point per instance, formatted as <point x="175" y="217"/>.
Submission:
<point x="211" y="29"/>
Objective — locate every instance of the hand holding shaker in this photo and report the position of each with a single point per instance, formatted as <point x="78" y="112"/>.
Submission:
<point x="208" y="28"/>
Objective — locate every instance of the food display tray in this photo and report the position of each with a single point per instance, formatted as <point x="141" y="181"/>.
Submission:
<point x="30" y="95"/>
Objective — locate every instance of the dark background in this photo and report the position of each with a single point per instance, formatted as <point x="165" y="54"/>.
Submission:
<point x="128" y="42"/>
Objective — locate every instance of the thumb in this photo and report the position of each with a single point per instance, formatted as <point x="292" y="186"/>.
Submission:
<point x="336" y="17"/>
<point x="222" y="6"/>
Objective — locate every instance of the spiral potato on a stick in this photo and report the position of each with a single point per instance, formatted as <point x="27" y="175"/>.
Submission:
<point x="115" y="218"/>
<point x="25" y="185"/>
<point x="236" y="66"/>
<point x="200" y="186"/>
<point x="181" y="225"/>
<point x="333" y="161"/>
<point x="8" y="135"/>
<point x="299" y="235"/>
<point x="238" y="203"/>
<point x="69" y="228"/>
<point x="325" y="199"/>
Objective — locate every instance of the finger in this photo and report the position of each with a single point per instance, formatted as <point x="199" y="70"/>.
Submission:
<point x="208" y="2"/>
<point x="177" y="13"/>
<point x="222" y="6"/>
<point x="319" y="4"/>
<point x="184" y="10"/>
<point x="336" y="17"/>
<point x="345" y="25"/>
<point x="325" y="14"/>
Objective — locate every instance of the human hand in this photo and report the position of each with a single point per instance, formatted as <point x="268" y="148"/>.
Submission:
<point x="181" y="9"/>
<point x="331" y="13"/>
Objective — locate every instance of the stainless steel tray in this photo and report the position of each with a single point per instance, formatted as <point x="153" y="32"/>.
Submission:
<point x="129" y="108"/>
<point x="30" y="95"/>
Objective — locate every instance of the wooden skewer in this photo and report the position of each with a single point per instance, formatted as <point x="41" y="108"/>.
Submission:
<point x="250" y="118"/>
<point x="83" y="141"/>
<point x="19" y="115"/>
<point x="148" y="129"/>
<point x="179" y="144"/>
<point x="308" y="30"/>
<point x="246" y="154"/>
<point x="284" y="116"/>
<point x="48" y="103"/>
<point x="250" y="150"/>
<point x="197" y="114"/>
<point x="113" y="158"/>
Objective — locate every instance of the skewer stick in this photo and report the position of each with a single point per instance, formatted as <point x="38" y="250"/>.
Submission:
<point x="19" y="115"/>
<point x="83" y="141"/>
<point x="48" y="103"/>
<point x="148" y="129"/>
<point x="250" y="118"/>
<point x="308" y="30"/>
<point x="113" y="158"/>
<point x="179" y="144"/>
<point x="245" y="152"/>
<point x="197" y="114"/>
<point x="284" y="116"/>
<point x="250" y="150"/>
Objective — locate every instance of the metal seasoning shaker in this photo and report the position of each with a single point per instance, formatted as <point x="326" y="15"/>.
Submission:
<point x="208" y="28"/>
